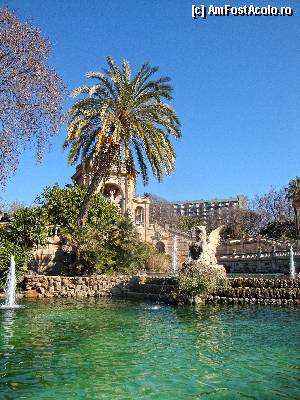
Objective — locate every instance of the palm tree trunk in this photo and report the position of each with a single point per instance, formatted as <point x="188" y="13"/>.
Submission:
<point x="97" y="178"/>
<point x="77" y="254"/>
<point x="103" y="167"/>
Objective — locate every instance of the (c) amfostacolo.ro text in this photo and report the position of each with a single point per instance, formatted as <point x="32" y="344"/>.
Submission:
<point x="202" y="11"/>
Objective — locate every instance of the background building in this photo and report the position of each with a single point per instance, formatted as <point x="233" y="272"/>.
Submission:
<point x="152" y="215"/>
<point x="202" y="208"/>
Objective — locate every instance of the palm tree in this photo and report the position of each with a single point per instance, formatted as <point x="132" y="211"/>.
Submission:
<point x="293" y="193"/>
<point x="122" y="119"/>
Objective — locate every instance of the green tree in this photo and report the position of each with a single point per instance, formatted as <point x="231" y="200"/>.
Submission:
<point x="63" y="207"/>
<point x="283" y="229"/>
<point x="28" y="229"/>
<point x="106" y="243"/>
<point x="274" y="214"/>
<point x="122" y="118"/>
<point x="187" y="223"/>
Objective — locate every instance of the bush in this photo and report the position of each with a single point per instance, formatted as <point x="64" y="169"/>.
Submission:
<point x="158" y="262"/>
<point x="196" y="279"/>
<point x="108" y="242"/>
<point x="124" y="251"/>
<point x="114" y="250"/>
<point x="283" y="229"/>
<point x="28" y="228"/>
<point x="22" y="258"/>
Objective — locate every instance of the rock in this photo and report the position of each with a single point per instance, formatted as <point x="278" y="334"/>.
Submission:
<point x="31" y="294"/>
<point x="199" y="300"/>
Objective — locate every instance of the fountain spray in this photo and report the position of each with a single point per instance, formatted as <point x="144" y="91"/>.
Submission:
<point x="174" y="255"/>
<point x="292" y="263"/>
<point x="10" y="287"/>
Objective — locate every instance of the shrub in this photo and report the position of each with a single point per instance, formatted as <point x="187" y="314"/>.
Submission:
<point x="22" y="257"/>
<point x="196" y="279"/>
<point x="28" y="228"/>
<point x="282" y="229"/>
<point x="124" y="251"/>
<point x="158" y="262"/>
<point x="108" y="242"/>
<point x="114" y="250"/>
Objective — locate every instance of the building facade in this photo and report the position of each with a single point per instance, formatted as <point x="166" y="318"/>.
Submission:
<point x="120" y="190"/>
<point x="203" y="208"/>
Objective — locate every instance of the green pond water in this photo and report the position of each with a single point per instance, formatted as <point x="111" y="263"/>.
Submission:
<point x="105" y="349"/>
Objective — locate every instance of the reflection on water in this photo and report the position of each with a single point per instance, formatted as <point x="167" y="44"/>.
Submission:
<point x="124" y="350"/>
<point x="7" y="326"/>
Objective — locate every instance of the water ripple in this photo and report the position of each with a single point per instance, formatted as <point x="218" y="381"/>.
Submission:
<point x="104" y="349"/>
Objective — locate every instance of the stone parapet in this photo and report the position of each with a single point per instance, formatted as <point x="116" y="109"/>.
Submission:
<point x="264" y="282"/>
<point x="260" y="263"/>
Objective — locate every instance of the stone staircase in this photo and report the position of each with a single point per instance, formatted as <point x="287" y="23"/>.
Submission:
<point x="154" y="288"/>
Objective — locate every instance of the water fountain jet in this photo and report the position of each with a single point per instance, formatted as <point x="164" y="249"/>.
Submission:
<point x="174" y="255"/>
<point x="10" y="287"/>
<point x="292" y="263"/>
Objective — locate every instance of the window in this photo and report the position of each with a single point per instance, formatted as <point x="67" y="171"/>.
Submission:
<point x="160" y="247"/>
<point x="139" y="215"/>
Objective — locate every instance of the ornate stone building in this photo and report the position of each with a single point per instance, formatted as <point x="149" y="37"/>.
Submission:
<point x="120" y="189"/>
<point x="250" y="255"/>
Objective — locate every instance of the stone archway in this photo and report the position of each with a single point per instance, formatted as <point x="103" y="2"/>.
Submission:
<point x="113" y="192"/>
<point x="160" y="247"/>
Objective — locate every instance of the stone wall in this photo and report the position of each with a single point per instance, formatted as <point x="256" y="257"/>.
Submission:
<point x="239" y="291"/>
<point x="252" y="255"/>
<point x="142" y="287"/>
<point x="40" y="286"/>
<point x="164" y="234"/>
<point x="258" y="291"/>
<point x="48" y="259"/>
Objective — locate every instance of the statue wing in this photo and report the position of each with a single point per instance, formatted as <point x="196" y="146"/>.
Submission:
<point x="208" y="256"/>
<point x="202" y="229"/>
<point x="214" y="238"/>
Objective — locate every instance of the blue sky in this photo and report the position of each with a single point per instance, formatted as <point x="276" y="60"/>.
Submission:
<point x="236" y="80"/>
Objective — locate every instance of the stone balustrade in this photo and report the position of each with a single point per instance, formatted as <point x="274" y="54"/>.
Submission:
<point x="260" y="262"/>
<point x="259" y="254"/>
<point x="53" y="231"/>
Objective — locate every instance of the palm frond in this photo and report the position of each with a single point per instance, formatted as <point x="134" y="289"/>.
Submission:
<point x="123" y="117"/>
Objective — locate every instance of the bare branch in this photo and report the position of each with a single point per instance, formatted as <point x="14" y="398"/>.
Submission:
<point x="31" y="92"/>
